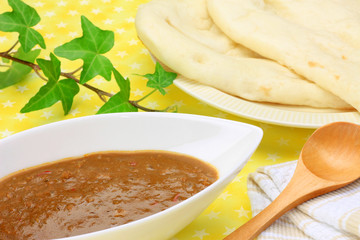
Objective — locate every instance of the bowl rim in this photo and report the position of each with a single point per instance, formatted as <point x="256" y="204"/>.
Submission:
<point x="191" y="117"/>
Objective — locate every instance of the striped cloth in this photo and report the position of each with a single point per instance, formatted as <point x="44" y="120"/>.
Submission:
<point x="333" y="216"/>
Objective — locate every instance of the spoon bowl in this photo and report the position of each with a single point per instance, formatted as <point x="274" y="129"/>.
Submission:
<point x="334" y="163"/>
<point x="330" y="159"/>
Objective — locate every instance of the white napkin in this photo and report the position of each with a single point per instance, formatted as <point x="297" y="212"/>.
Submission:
<point x="333" y="216"/>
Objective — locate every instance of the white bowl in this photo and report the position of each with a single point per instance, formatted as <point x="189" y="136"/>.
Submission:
<point x="225" y="144"/>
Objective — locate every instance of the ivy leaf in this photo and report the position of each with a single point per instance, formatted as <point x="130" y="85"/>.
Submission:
<point x="117" y="103"/>
<point x="67" y="88"/>
<point x="124" y="84"/>
<point x="20" y="20"/>
<point x="51" y="68"/>
<point x="5" y="60"/>
<point x="89" y="48"/>
<point x="54" y="90"/>
<point x="120" y="101"/>
<point x="44" y="98"/>
<point x="160" y="79"/>
<point x="17" y="72"/>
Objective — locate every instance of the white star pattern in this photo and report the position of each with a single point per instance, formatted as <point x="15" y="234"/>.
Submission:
<point x="213" y="215"/>
<point x="135" y="66"/>
<point x="62" y="3"/>
<point x="8" y="103"/>
<point x="97" y="108"/>
<point x="49" y="35"/>
<point x="39" y="4"/>
<point x="133" y="42"/>
<point x="74" y="111"/>
<point x="120" y="30"/>
<point x="283" y="142"/>
<point x="272" y="156"/>
<point x="3" y="39"/>
<point x="238" y="179"/>
<point x="130" y="20"/>
<point x="99" y="81"/>
<point x="20" y="116"/>
<point x="86" y="96"/>
<point x="179" y="103"/>
<point x="47" y="114"/>
<point x="121" y="54"/>
<point x="73" y="12"/>
<point x="118" y="9"/>
<point x="22" y="88"/>
<point x="39" y="27"/>
<point x="6" y="133"/>
<point x="201" y="234"/>
<point x="144" y="51"/>
<point x="73" y="34"/>
<point x="96" y="11"/>
<point x="138" y="92"/>
<point x="84" y="2"/>
<point x="61" y="25"/>
<point x="242" y="212"/>
<point x="152" y="105"/>
<point x="108" y="21"/>
<point x="224" y="195"/>
<point x="49" y="14"/>
<point x="228" y="231"/>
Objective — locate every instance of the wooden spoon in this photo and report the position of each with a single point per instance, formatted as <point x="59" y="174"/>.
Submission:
<point x="330" y="159"/>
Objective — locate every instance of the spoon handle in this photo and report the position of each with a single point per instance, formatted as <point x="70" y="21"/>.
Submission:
<point x="303" y="186"/>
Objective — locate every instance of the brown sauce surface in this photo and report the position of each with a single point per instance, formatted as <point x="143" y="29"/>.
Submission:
<point x="97" y="191"/>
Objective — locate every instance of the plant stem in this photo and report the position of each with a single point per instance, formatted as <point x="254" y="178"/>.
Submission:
<point x="135" y="104"/>
<point x="139" y="100"/>
<point x="29" y="64"/>
<point x="12" y="47"/>
<point x="41" y="76"/>
<point x="75" y="71"/>
<point x="102" y="94"/>
<point x="36" y="68"/>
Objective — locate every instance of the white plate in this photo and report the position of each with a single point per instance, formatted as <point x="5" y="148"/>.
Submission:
<point x="269" y="113"/>
<point x="225" y="144"/>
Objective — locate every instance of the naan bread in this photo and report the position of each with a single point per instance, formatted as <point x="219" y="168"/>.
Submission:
<point x="181" y="35"/>
<point x="317" y="39"/>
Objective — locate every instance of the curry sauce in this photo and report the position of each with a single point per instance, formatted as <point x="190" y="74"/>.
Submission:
<point x="97" y="191"/>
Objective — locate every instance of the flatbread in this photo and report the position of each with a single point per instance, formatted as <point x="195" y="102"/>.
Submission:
<point x="317" y="39"/>
<point x="181" y="34"/>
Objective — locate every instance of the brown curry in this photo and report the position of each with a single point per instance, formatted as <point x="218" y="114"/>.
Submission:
<point x="97" y="191"/>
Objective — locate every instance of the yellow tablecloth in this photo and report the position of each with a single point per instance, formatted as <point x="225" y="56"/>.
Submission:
<point x="60" y="22"/>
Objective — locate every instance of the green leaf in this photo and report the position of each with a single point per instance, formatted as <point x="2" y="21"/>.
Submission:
<point x="20" y="20"/>
<point x="89" y="48"/>
<point x="68" y="88"/>
<point x="124" y="84"/>
<point x="160" y="79"/>
<point x="44" y="98"/>
<point x="54" y="90"/>
<point x="17" y="72"/>
<point x="117" y="103"/>
<point x="120" y="101"/>
<point x="51" y="68"/>
<point x="5" y="60"/>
